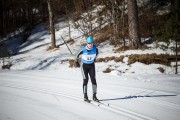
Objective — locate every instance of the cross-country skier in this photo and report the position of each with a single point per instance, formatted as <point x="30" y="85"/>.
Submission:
<point x="89" y="54"/>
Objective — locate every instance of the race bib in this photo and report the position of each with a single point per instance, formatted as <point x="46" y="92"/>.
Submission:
<point x="88" y="57"/>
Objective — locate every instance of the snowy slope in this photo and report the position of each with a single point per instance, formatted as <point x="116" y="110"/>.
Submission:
<point x="34" y="54"/>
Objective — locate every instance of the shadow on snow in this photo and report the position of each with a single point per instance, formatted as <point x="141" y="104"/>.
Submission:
<point x="137" y="96"/>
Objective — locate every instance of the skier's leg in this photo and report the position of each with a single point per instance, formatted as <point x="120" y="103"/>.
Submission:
<point x="92" y="74"/>
<point x="85" y="81"/>
<point x="94" y="87"/>
<point x="85" y="77"/>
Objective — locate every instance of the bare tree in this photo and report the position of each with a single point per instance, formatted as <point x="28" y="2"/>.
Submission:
<point x="68" y="17"/>
<point x="118" y="17"/>
<point x="117" y="14"/>
<point x="84" y="25"/>
<point x="123" y="24"/>
<point x="134" y="32"/>
<point x="51" y="20"/>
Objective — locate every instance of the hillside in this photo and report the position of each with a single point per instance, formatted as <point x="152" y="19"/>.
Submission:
<point x="34" y="53"/>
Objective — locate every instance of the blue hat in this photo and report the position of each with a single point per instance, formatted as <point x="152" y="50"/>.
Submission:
<point x="90" y="39"/>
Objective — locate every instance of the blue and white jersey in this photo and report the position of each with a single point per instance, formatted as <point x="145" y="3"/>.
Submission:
<point x="88" y="57"/>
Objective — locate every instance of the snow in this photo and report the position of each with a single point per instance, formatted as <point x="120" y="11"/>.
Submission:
<point x="47" y="95"/>
<point x="41" y="86"/>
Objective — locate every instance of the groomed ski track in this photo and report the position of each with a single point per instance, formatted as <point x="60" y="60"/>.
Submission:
<point x="27" y="92"/>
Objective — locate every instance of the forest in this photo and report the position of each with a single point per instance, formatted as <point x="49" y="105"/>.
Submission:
<point x="146" y="18"/>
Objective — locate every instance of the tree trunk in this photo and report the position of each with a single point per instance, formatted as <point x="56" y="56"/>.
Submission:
<point x="176" y="36"/>
<point x="29" y="13"/>
<point x="133" y="21"/>
<point x="1" y="19"/>
<point x="123" y="25"/>
<point x="51" y="19"/>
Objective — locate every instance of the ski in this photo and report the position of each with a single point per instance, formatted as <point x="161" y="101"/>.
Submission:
<point x="106" y="104"/>
<point x="87" y="101"/>
<point x="95" y="103"/>
<point x="100" y="103"/>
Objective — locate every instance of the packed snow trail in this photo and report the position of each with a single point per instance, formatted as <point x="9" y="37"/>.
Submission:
<point x="48" y="95"/>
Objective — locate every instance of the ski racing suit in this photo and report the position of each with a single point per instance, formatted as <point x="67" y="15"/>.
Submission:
<point x="88" y="67"/>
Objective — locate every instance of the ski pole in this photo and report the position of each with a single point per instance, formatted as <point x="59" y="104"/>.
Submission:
<point x="69" y="50"/>
<point x="67" y="46"/>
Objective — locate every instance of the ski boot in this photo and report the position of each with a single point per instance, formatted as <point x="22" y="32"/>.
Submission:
<point x="86" y="98"/>
<point x="95" y="98"/>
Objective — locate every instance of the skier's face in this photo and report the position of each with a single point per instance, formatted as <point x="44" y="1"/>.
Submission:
<point x="89" y="45"/>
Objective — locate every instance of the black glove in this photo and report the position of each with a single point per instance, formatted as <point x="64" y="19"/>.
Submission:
<point x="77" y="64"/>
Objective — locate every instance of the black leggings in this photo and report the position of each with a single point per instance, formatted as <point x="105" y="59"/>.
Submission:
<point x="88" y="69"/>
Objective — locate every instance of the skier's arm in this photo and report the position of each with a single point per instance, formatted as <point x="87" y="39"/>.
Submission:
<point x="76" y="59"/>
<point x="97" y="52"/>
<point x="77" y="56"/>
